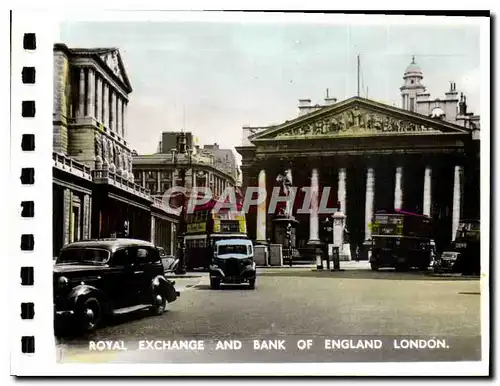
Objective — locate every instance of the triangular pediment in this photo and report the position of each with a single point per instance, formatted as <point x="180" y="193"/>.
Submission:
<point x="112" y="59"/>
<point x="356" y="117"/>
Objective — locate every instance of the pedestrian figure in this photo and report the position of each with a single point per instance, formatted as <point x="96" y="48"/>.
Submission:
<point x="357" y="253"/>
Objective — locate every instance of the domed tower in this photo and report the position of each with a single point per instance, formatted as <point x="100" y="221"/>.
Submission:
<point x="412" y="86"/>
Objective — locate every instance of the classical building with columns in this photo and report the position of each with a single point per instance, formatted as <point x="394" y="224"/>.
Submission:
<point x="422" y="157"/>
<point x="94" y="193"/>
<point x="210" y="167"/>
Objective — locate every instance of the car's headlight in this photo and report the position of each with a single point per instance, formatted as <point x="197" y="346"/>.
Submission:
<point x="62" y="282"/>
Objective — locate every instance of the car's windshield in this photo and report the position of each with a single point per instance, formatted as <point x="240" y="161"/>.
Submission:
<point x="83" y="255"/>
<point x="232" y="249"/>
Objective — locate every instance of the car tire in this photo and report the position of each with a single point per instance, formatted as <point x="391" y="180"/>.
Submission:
<point x="89" y="314"/>
<point x="159" y="303"/>
<point x="374" y="266"/>
<point x="214" y="284"/>
<point x="251" y="283"/>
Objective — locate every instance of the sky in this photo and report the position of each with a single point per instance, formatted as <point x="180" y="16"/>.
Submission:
<point x="214" y="78"/>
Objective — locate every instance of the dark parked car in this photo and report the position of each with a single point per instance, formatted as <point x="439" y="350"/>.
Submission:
<point x="169" y="262"/>
<point x="98" y="278"/>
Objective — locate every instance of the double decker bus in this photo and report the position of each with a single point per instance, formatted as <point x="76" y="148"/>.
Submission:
<point x="205" y="226"/>
<point x="401" y="240"/>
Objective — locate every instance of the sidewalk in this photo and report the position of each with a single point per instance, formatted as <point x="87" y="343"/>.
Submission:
<point x="345" y="265"/>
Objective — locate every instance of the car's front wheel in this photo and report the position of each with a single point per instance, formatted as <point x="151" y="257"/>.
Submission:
<point x="89" y="314"/>
<point x="374" y="266"/>
<point x="251" y="283"/>
<point x="159" y="303"/>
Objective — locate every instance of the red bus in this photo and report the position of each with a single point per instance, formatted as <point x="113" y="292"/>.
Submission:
<point x="205" y="226"/>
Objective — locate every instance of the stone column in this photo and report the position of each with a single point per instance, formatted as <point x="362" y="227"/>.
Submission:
<point x="172" y="238"/>
<point x="143" y="179"/>
<point x="313" y="214"/>
<point x="342" y="190"/>
<point x="124" y="119"/>
<point x="66" y="215"/>
<point x="158" y="180"/>
<point x="118" y="128"/>
<point x="153" y="229"/>
<point x="86" y="217"/>
<point x="99" y="101"/>
<point x="81" y="94"/>
<point x="370" y="184"/>
<point x="90" y="92"/>
<point x="427" y="191"/>
<point x="112" y="110"/>
<point x="398" y="190"/>
<point x="261" y="210"/>
<point x="119" y="117"/>
<point x="105" y="106"/>
<point x="457" y="197"/>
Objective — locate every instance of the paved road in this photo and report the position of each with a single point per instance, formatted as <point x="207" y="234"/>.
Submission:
<point x="300" y="304"/>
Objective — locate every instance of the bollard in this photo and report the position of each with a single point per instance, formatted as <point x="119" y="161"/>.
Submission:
<point x="319" y="262"/>
<point x="336" y="259"/>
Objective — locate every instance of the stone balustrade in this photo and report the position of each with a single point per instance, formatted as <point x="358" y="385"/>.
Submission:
<point x="68" y="164"/>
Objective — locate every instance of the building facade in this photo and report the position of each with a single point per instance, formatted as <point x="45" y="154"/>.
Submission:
<point x="208" y="167"/>
<point x="94" y="193"/>
<point x="422" y="158"/>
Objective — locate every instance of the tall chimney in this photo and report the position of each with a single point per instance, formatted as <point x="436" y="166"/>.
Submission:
<point x="304" y="106"/>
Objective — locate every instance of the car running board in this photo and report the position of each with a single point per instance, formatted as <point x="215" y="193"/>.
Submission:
<point x="126" y="310"/>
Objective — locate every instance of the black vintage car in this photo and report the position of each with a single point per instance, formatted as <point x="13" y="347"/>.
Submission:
<point x="170" y="263"/>
<point x="98" y="278"/>
<point x="233" y="263"/>
<point x="463" y="255"/>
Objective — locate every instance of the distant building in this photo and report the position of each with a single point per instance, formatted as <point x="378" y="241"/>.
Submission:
<point x="94" y="194"/>
<point x="210" y="167"/>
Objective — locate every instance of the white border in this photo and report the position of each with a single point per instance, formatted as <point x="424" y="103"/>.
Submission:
<point x="43" y="362"/>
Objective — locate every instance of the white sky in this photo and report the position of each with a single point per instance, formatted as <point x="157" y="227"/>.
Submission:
<point x="227" y="75"/>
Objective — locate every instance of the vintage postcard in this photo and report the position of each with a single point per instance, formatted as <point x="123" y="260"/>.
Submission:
<point x="234" y="193"/>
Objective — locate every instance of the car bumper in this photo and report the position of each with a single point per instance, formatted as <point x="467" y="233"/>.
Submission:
<point x="236" y="279"/>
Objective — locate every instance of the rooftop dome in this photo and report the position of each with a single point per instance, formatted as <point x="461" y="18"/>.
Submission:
<point x="413" y="69"/>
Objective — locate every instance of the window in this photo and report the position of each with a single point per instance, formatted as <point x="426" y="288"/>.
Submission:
<point x="141" y="254"/>
<point x="165" y="186"/>
<point x="121" y="257"/>
<point x="232" y="249"/>
<point x="145" y="255"/>
<point x="83" y="255"/>
<point x="152" y="186"/>
<point x="412" y="104"/>
<point x="412" y="81"/>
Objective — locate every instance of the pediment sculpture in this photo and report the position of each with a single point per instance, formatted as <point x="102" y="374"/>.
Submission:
<point x="112" y="61"/>
<point x="355" y="121"/>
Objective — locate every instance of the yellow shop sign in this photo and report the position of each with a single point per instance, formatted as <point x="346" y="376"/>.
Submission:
<point x="197" y="227"/>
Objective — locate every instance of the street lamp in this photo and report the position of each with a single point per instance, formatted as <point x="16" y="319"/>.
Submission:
<point x="289" y="243"/>
<point x="182" y="158"/>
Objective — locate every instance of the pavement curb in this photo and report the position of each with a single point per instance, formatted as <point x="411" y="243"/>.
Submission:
<point x="283" y="267"/>
<point x="184" y="276"/>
